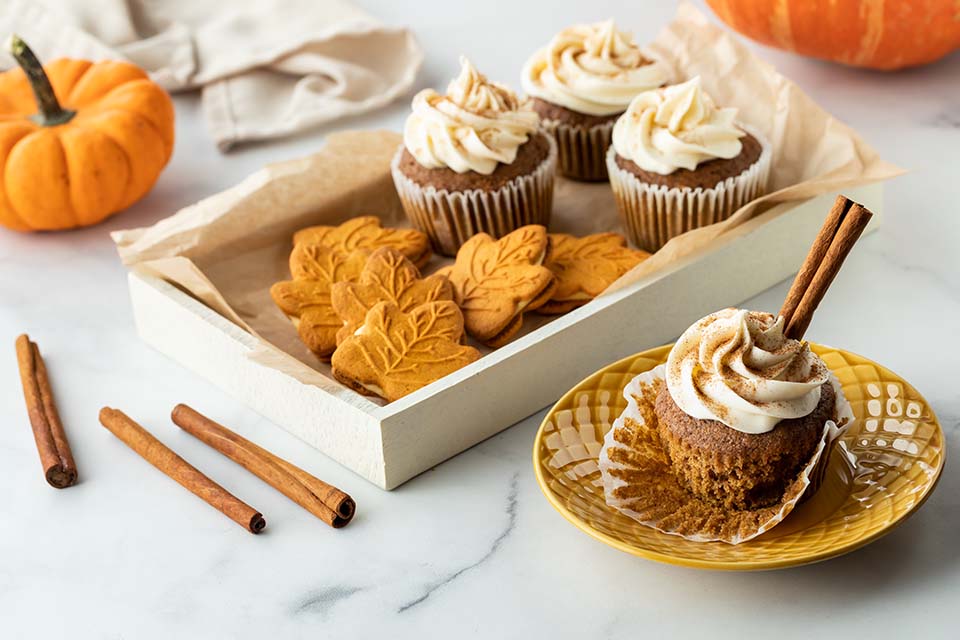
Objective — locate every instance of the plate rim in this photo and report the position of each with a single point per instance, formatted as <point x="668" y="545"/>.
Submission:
<point x="725" y="565"/>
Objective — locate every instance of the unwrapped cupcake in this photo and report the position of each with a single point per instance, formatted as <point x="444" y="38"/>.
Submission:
<point x="679" y="162"/>
<point x="722" y="441"/>
<point x="743" y="408"/>
<point x="580" y="83"/>
<point x="473" y="160"/>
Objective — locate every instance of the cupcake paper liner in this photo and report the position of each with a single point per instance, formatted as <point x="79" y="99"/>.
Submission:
<point x="582" y="151"/>
<point x="639" y="482"/>
<point x="450" y="218"/>
<point x="653" y="214"/>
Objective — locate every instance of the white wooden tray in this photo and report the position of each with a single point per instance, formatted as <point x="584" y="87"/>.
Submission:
<point x="390" y="444"/>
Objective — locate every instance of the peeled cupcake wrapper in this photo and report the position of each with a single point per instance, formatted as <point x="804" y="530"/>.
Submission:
<point x="653" y="214"/>
<point x="582" y="151"/>
<point x="451" y="218"/>
<point x="639" y="482"/>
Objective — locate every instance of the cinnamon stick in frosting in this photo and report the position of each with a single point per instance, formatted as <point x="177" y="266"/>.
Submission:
<point x="325" y="501"/>
<point x="843" y="226"/>
<point x="160" y="456"/>
<point x="59" y="469"/>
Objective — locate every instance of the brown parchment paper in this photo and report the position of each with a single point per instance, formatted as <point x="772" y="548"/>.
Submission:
<point x="228" y="249"/>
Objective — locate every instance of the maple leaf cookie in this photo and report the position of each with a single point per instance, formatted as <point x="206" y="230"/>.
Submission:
<point x="306" y="298"/>
<point x="495" y="281"/>
<point x="585" y="267"/>
<point x="365" y="232"/>
<point x="395" y="353"/>
<point x="387" y="277"/>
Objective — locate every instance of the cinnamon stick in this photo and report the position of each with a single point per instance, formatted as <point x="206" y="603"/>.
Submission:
<point x="325" y="501"/>
<point x="59" y="468"/>
<point x="840" y="231"/>
<point x="161" y="457"/>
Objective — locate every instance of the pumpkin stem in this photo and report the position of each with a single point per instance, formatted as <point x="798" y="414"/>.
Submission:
<point x="51" y="113"/>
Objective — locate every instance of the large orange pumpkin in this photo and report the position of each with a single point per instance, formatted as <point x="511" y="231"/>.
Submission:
<point x="79" y="140"/>
<point x="862" y="33"/>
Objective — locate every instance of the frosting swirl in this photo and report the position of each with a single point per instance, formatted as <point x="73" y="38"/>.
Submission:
<point x="737" y="367"/>
<point x="594" y="69"/>
<point x="676" y="127"/>
<point x="474" y="126"/>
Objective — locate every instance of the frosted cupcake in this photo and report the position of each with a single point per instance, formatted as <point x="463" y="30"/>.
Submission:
<point x="743" y="409"/>
<point x="679" y="162"/>
<point x="473" y="160"/>
<point x="580" y="83"/>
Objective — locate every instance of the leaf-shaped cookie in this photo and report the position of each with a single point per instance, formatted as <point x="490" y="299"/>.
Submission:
<point x="365" y="232"/>
<point x="306" y="298"/>
<point x="387" y="277"/>
<point x="586" y="266"/>
<point x="495" y="281"/>
<point x="395" y="353"/>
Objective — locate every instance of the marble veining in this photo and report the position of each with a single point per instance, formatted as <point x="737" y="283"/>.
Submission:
<point x="949" y="118"/>
<point x="321" y="601"/>
<point x="511" y="512"/>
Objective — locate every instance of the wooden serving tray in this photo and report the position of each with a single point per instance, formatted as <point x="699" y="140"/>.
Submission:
<point x="390" y="444"/>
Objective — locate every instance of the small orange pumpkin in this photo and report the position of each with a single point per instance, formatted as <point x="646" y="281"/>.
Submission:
<point x="79" y="140"/>
<point x="860" y="33"/>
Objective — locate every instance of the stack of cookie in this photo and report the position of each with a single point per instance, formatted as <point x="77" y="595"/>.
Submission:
<point x="357" y="296"/>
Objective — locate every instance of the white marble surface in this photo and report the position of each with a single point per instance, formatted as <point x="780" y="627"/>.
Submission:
<point x="470" y="549"/>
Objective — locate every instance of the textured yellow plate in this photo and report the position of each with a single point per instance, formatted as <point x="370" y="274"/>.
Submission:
<point x="885" y="466"/>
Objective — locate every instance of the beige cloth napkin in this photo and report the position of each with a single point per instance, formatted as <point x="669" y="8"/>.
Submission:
<point x="267" y="68"/>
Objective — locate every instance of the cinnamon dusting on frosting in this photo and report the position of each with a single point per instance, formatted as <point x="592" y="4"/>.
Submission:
<point x="736" y="367"/>
<point x="473" y="127"/>
<point x="594" y="69"/>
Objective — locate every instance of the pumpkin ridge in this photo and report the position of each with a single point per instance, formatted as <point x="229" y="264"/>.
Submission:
<point x="98" y="82"/>
<point x="72" y="214"/>
<point x="76" y="83"/>
<point x="93" y="106"/>
<point x="28" y="128"/>
<point x="18" y="218"/>
<point x="168" y="141"/>
<point x="90" y="121"/>
<point x="124" y="197"/>
<point x="125" y="200"/>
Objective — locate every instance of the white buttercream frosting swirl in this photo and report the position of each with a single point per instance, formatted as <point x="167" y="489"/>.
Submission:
<point x="676" y="127"/>
<point x="737" y="367"/>
<point x="591" y="68"/>
<point x="476" y="125"/>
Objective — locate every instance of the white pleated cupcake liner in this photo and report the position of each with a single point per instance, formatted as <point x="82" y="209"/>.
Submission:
<point x="450" y="218"/>
<point x="644" y="496"/>
<point x="582" y="151"/>
<point x="653" y="214"/>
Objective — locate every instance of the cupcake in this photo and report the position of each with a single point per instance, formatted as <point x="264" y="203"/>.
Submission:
<point x="473" y="160"/>
<point x="579" y="84"/>
<point x="678" y="162"/>
<point x="743" y="409"/>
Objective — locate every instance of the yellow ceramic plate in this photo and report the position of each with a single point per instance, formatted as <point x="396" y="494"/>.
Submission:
<point x="887" y="464"/>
